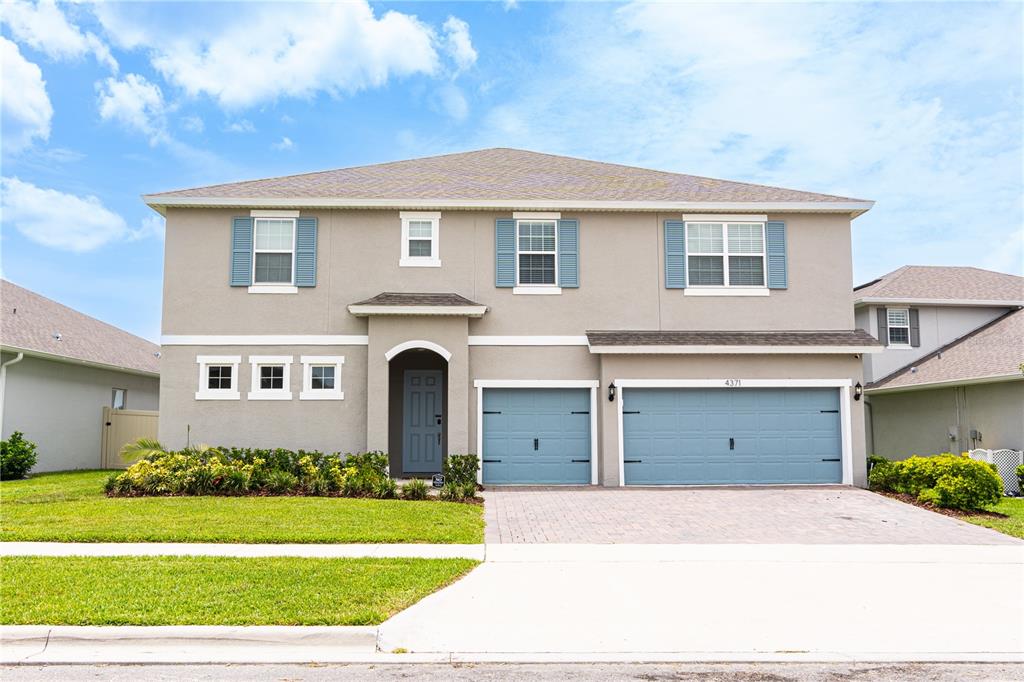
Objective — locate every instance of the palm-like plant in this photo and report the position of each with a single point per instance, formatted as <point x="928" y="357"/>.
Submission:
<point x="141" y="449"/>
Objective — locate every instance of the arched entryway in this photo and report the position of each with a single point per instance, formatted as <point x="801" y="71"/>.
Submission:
<point x="417" y="408"/>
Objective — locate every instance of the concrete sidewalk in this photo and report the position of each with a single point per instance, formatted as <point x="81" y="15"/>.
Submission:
<point x="240" y="550"/>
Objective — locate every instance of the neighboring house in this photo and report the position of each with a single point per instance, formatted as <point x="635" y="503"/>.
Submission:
<point x="60" y="368"/>
<point x="950" y="377"/>
<point x="569" y="321"/>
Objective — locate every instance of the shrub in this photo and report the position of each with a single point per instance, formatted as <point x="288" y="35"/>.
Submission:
<point x="453" y="493"/>
<point x="385" y="489"/>
<point x="17" y="456"/>
<point x="280" y="482"/>
<point x="1020" y="478"/>
<point x="416" y="489"/>
<point x="946" y="480"/>
<point x="461" y="469"/>
<point x="469" y="490"/>
<point x="875" y="460"/>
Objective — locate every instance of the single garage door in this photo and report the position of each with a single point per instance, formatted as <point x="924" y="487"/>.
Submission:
<point x="731" y="435"/>
<point x="536" y="435"/>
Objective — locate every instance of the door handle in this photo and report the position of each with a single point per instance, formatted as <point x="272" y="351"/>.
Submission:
<point x="536" y="443"/>
<point x="438" y="417"/>
<point x="732" y="443"/>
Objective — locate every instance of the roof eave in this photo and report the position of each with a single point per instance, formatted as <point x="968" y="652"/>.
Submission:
<point x="43" y="355"/>
<point x="996" y="378"/>
<point x="733" y="350"/>
<point x="428" y="310"/>
<point x="161" y="202"/>
<point x="965" y="302"/>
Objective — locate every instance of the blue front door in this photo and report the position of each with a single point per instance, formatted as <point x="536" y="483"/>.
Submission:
<point x="536" y="435"/>
<point x="731" y="435"/>
<point x="422" y="419"/>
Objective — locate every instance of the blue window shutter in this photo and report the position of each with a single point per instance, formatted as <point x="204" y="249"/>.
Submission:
<point x="504" y="252"/>
<point x="241" y="252"/>
<point x="305" y="252"/>
<point x="569" y="253"/>
<point x="775" y="247"/>
<point x="675" y="254"/>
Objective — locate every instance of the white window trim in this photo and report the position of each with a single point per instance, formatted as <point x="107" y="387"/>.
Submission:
<point x="434" y="259"/>
<point x="845" y="387"/>
<point x="274" y="287"/>
<point x="550" y="289"/>
<point x="255" y="392"/>
<point x="481" y="384"/>
<point x="259" y="213"/>
<point x="308" y="392"/>
<point x="204" y="393"/>
<point x="726" y="289"/>
<point x="889" y="327"/>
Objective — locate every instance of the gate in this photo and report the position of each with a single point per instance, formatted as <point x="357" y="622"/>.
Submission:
<point x="121" y="427"/>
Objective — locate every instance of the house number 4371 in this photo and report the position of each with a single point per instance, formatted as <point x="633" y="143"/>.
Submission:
<point x="733" y="383"/>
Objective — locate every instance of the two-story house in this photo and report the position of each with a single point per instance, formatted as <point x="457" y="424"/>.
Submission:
<point x="569" y="321"/>
<point x="950" y="377"/>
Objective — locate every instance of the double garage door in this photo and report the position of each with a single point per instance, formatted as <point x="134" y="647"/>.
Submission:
<point x="673" y="436"/>
<point x="722" y="436"/>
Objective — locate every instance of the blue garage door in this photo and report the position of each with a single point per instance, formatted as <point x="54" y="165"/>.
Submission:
<point x="731" y="435"/>
<point x="536" y="435"/>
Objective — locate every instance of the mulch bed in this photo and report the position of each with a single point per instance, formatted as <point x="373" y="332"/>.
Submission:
<point x="955" y="513"/>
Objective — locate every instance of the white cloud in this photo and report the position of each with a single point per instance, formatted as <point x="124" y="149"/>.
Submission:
<point x="193" y="124"/>
<point x="458" y="43"/>
<point x="241" y="126"/>
<point x="276" y="50"/>
<point x="65" y="221"/>
<point x="284" y="145"/>
<point x="44" y="27"/>
<point x="510" y="4"/>
<point x="135" y="103"/>
<point x="453" y="102"/>
<point x="917" y="107"/>
<point x="26" y="108"/>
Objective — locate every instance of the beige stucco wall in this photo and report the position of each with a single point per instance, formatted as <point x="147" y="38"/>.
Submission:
<point x="621" y="278"/>
<point x="328" y="425"/>
<point x="726" y="367"/>
<point x="59" y="407"/>
<point x="920" y="421"/>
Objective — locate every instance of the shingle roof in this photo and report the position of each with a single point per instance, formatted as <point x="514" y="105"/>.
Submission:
<point x="29" y="322"/>
<point x="854" y="337"/>
<point x="941" y="283"/>
<point x="500" y="174"/>
<point x="994" y="350"/>
<point x="417" y="299"/>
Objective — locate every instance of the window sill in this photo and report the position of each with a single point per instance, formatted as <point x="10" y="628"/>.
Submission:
<point x="725" y="291"/>
<point x="269" y="395"/>
<point x="537" y="290"/>
<point x="273" y="289"/>
<point x="322" y="395"/>
<point x="900" y="347"/>
<point x="218" y="395"/>
<point x="419" y="263"/>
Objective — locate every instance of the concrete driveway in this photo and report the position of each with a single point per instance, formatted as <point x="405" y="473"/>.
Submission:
<point x="795" y="515"/>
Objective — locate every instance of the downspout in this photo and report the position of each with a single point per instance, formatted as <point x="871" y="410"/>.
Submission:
<point x="3" y="385"/>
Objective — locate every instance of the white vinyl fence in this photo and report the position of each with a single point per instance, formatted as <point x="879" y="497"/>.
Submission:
<point x="1006" y="462"/>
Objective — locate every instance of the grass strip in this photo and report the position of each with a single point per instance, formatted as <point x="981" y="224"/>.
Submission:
<point x="215" y="590"/>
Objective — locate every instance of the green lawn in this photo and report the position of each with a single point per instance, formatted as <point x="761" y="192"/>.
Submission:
<point x="71" y="507"/>
<point x="1013" y="525"/>
<point x="215" y="590"/>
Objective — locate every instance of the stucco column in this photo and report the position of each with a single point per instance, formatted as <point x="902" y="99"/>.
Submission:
<point x="377" y="387"/>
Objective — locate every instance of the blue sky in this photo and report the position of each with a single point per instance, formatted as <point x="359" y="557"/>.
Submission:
<point x="915" y="105"/>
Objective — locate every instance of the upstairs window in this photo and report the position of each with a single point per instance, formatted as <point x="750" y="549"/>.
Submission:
<point x="899" y="326"/>
<point x="274" y="251"/>
<point x="420" y="239"/>
<point x="725" y="254"/>
<point x="536" y="250"/>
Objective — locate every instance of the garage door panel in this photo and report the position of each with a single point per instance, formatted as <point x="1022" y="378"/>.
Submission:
<point x="683" y="436"/>
<point x="536" y="436"/>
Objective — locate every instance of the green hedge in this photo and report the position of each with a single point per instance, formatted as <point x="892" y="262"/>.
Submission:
<point x="17" y="456"/>
<point x="946" y="480"/>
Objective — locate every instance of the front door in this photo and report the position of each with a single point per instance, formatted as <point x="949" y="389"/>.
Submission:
<point x="422" y="421"/>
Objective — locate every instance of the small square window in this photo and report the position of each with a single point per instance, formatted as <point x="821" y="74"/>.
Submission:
<point x="420" y="239"/>
<point x="271" y="377"/>
<point x="119" y="399"/>
<point x="218" y="377"/>
<point x="322" y="377"/>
